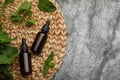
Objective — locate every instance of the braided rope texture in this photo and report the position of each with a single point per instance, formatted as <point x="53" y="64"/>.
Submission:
<point x="56" y="41"/>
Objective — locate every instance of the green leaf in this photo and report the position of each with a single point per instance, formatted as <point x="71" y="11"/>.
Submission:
<point x="16" y="18"/>
<point x="0" y="27"/>
<point x="7" y="75"/>
<point x="51" y="64"/>
<point x="28" y="13"/>
<point x="6" y="50"/>
<point x="30" y="22"/>
<point x="10" y="52"/>
<point x="46" y="6"/>
<point x="25" y="6"/>
<point x="48" y="63"/>
<point x="4" y="59"/>
<point x="50" y="57"/>
<point x="13" y="54"/>
<point x="4" y="37"/>
<point x="8" y="1"/>
<point x="0" y="14"/>
<point x="4" y="67"/>
<point x="46" y="69"/>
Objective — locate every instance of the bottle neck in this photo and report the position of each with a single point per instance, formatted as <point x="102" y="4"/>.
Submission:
<point x="24" y="47"/>
<point x="24" y="51"/>
<point x="45" y="28"/>
<point x="44" y="32"/>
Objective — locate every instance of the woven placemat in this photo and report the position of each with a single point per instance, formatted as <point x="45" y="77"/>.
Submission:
<point x="56" y="41"/>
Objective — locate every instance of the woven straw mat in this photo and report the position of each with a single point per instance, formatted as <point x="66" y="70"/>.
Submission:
<point x="56" y="41"/>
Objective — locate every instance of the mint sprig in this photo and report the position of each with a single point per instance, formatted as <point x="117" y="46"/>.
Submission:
<point x="23" y="14"/>
<point x="48" y="63"/>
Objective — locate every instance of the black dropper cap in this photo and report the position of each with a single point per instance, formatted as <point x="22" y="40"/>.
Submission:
<point x="24" y="47"/>
<point x="46" y="27"/>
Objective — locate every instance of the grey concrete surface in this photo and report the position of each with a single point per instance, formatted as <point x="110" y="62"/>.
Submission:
<point x="93" y="50"/>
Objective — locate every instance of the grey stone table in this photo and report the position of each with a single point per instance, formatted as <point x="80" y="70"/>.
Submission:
<point x="93" y="50"/>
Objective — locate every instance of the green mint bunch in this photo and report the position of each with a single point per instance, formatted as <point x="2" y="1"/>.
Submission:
<point x="8" y="54"/>
<point x="23" y="14"/>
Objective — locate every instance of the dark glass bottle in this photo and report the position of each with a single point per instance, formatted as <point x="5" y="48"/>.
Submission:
<point x="40" y="39"/>
<point x="25" y="59"/>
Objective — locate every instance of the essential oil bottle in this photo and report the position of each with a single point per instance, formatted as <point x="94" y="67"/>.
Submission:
<point x="40" y="39"/>
<point x="25" y="59"/>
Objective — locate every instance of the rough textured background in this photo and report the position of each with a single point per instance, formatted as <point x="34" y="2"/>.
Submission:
<point x="93" y="51"/>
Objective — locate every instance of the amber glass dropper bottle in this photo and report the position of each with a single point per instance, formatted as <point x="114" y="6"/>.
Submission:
<point x="25" y="59"/>
<point x="40" y="39"/>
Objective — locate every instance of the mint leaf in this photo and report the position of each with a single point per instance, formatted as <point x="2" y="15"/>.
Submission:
<point x="6" y="50"/>
<point x="51" y="64"/>
<point x="30" y="22"/>
<point x="16" y="17"/>
<point x="46" y="6"/>
<point x="7" y="75"/>
<point x="50" y="57"/>
<point x="4" y="37"/>
<point x="46" y="68"/>
<point x="48" y="63"/>
<point x="25" y="6"/>
<point x="4" y="67"/>
<point x="10" y="52"/>
<point x="13" y="54"/>
<point x="8" y="1"/>
<point x="4" y="60"/>
<point x="28" y="13"/>
<point x="0" y="26"/>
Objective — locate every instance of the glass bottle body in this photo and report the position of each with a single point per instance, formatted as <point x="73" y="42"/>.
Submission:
<point x="25" y="63"/>
<point x="39" y="42"/>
